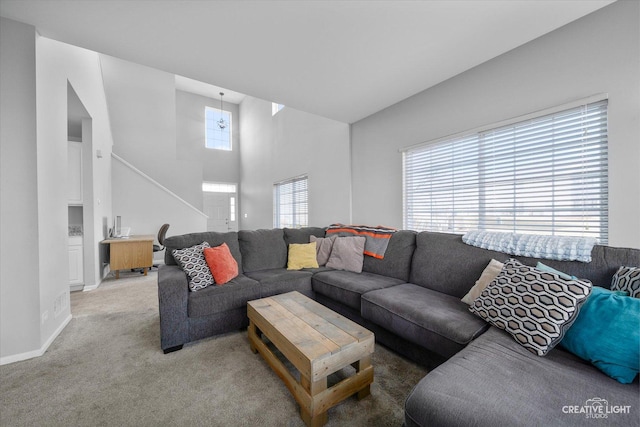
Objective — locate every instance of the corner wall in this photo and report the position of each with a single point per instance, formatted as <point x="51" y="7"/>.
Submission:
<point x="599" y="53"/>
<point x="289" y="144"/>
<point x="19" y="260"/>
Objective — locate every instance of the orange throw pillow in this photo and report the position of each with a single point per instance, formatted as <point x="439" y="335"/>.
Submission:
<point x="222" y="264"/>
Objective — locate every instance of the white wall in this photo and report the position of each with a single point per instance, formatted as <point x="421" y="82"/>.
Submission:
<point x="146" y="205"/>
<point x="217" y="165"/>
<point x="599" y="53"/>
<point x="34" y="195"/>
<point x="19" y="257"/>
<point x="60" y="64"/>
<point x="142" y="107"/>
<point x="289" y="144"/>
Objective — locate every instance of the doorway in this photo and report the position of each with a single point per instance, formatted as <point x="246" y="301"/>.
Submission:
<point x="220" y="205"/>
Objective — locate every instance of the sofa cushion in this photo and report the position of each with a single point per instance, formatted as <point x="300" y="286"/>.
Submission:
<point x="301" y="235"/>
<point x="496" y="382"/>
<point x="262" y="249"/>
<point x="438" y="322"/>
<point x="347" y="287"/>
<point x="215" y="299"/>
<point x="211" y="237"/>
<point x="444" y="263"/>
<point x="397" y="258"/>
<point x="280" y="280"/>
<point x="535" y="307"/>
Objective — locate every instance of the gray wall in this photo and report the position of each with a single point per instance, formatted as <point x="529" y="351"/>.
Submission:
<point x="217" y="165"/>
<point x="142" y="107"/>
<point x="19" y="262"/>
<point x="286" y="145"/>
<point x="599" y="53"/>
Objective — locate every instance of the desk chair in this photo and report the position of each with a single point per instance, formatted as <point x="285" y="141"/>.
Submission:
<point x="161" y="235"/>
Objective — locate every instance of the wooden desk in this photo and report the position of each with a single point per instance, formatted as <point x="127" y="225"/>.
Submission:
<point x="130" y="252"/>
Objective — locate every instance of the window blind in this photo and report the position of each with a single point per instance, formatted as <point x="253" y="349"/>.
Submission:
<point x="544" y="175"/>
<point x="291" y="203"/>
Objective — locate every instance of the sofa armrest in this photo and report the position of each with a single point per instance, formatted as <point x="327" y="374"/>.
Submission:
<point x="173" y="295"/>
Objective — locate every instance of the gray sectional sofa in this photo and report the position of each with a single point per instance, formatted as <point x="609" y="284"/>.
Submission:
<point x="479" y="375"/>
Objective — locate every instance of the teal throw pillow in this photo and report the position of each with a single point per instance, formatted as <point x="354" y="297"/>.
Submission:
<point x="544" y="267"/>
<point x="607" y="334"/>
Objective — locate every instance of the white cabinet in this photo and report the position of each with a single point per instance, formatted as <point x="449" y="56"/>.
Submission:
<point x="74" y="172"/>
<point x="76" y="270"/>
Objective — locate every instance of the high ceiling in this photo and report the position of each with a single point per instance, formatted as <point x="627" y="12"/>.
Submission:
<point x="343" y="60"/>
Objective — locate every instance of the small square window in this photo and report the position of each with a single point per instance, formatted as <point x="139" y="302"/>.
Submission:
<point x="275" y="107"/>
<point x="217" y="133"/>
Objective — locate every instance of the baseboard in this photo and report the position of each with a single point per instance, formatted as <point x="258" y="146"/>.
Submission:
<point x="36" y="353"/>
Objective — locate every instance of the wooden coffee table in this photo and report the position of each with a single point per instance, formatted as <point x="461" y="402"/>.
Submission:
<point x="318" y="342"/>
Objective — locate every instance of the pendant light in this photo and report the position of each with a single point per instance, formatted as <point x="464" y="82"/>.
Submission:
<point x="221" y="123"/>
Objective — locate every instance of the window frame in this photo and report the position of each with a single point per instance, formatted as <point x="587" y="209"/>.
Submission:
<point x="477" y="161"/>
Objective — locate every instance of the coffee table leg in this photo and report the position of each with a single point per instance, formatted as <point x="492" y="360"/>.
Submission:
<point x="359" y="366"/>
<point x="313" y="388"/>
<point x="253" y="334"/>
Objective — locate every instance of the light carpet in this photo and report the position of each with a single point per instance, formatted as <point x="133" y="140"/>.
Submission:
<point x="107" y="369"/>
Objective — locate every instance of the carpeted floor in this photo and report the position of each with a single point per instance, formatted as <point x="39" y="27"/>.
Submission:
<point x="107" y="369"/>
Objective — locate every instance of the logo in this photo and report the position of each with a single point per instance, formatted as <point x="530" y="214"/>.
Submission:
<point x="596" y="407"/>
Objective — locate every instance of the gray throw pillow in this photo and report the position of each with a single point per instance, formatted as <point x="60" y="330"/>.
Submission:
<point x="347" y="254"/>
<point x="323" y="248"/>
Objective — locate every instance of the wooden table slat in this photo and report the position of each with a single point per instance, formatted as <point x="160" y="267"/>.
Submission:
<point x="358" y="332"/>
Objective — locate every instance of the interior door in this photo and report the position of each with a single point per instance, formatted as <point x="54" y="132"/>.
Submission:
<point x="221" y="210"/>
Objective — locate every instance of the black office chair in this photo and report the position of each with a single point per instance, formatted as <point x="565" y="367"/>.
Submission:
<point x="161" y="235"/>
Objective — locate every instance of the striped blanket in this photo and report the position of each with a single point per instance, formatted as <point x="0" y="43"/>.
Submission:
<point x="376" y="238"/>
<point x="561" y="248"/>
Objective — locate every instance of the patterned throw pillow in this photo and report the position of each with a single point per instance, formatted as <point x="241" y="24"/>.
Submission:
<point x="535" y="307"/>
<point x="627" y="279"/>
<point x="193" y="263"/>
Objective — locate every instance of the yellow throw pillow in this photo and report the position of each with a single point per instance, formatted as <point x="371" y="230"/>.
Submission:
<point x="302" y="255"/>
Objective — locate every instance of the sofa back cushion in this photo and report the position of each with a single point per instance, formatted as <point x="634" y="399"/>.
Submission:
<point x="301" y="235"/>
<point x="443" y="262"/>
<point x="213" y="238"/>
<point x="262" y="249"/>
<point x="397" y="258"/>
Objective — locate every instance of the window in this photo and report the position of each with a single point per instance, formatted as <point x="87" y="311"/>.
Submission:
<point x="290" y="203"/>
<point x="275" y="107"/>
<point x="216" y="137"/>
<point x="218" y="187"/>
<point x="542" y="175"/>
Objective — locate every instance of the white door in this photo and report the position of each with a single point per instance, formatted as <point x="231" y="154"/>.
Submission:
<point x="221" y="209"/>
